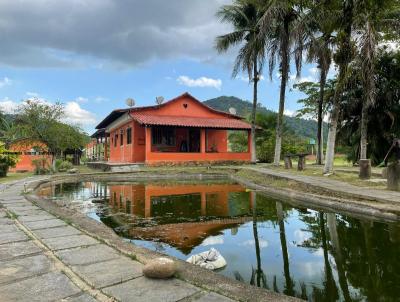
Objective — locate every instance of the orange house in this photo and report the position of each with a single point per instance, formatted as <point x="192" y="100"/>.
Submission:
<point x="28" y="152"/>
<point x="178" y="131"/>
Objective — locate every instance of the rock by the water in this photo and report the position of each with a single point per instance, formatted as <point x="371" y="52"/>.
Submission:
<point x="74" y="170"/>
<point x="160" y="268"/>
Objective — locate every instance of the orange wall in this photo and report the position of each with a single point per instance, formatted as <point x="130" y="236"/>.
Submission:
<point x="217" y="139"/>
<point x="25" y="160"/>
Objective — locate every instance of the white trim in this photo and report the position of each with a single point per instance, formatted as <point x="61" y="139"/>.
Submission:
<point x="119" y="122"/>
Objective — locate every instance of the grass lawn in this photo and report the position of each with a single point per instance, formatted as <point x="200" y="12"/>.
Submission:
<point x="15" y="176"/>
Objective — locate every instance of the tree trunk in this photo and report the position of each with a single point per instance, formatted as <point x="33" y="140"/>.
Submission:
<point x="253" y="114"/>
<point x="284" y="78"/>
<point x="330" y="144"/>
<point x="322" y="82"/>
<point x="364" y="131"/>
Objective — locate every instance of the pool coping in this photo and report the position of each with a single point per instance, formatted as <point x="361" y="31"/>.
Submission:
<point x="190" y="273"/>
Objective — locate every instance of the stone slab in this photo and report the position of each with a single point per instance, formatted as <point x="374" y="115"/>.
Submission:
<point x="88" y="255"/>
<point x="67" y="242"/>
<point x="16" y="249"/>
<point x="12" y="237"/>
<point x="8" y="228"/>
<point x="81" y="298"/>
<point x="57" y="232"/>
<point x="4" y="221"/>
<point x="28" y="212"/>
<point x="110" y="272"/>
<point x="22" y="207"/>
<point x="155" y="290"/>
<point x="212" y="297"/>
<point x="35" y="217"/>
<point x="23" y="268"/>
<point x="43" y="224"/>
<point x="48" y="287"/>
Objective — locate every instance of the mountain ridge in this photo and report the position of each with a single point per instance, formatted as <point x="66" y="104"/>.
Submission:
<point x="304" y="128"/>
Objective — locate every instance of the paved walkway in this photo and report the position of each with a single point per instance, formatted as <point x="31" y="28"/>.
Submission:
<point x="44" y="259"/>
<point x="334" y="185"/>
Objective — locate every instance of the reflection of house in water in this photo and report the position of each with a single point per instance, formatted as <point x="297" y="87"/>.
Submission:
<point x="186" y="214"/>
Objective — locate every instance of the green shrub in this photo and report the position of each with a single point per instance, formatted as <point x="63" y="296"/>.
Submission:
<point x="65" y="166"/>
<point x="41" y="166"/>
<point x="3" y="169"/>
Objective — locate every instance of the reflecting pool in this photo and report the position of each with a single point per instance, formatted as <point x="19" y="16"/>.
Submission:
<point x="266" y="242"/>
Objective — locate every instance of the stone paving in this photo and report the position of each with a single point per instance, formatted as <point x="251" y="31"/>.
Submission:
<point x="44" y="259"/>
<point x="334" y="186"/>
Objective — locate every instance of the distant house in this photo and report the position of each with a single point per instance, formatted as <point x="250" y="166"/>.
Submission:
<point x="96" y="149"/>
<point x="28" y="152"/>
<point x="178" y="131"/>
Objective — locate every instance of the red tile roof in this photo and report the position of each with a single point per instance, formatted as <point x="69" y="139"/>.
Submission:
<point x="182" y="121"/>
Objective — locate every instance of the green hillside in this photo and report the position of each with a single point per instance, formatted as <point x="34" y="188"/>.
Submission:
<point x="302" y="127"/>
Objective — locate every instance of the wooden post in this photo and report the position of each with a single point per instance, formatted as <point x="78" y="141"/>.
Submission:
<point x="393" y="176"/>
<point x="301" y="163"/>
<point x="288" y="162"/>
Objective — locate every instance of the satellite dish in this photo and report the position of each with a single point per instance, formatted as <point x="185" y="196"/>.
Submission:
<point x="130" y="102"/>
<point x="232" y="111"/>
<point x="159" y="100"/>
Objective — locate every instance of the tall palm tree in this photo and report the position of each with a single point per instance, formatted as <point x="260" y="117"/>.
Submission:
<point x="317" y="27"/>
<point x="244" y="16"/>
<point x="277" y="28"/>
<point x="374" y="19"/>
<point x="343" y="56"/>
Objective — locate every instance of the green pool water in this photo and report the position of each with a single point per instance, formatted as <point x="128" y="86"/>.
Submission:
<point x="266" y="242"/>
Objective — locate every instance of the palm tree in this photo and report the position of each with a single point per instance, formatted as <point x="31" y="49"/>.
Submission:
<point x="244" y="16"/>
<point x="343" y="56"/>
<point x="317" y="27"/>
<point x="373" y="17"/>
<point x="276" y="29"/>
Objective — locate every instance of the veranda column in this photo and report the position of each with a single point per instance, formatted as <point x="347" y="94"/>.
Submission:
<point x="249" y="143"/>
<point x="148" y="144"/>
<point x="203" y="140"/>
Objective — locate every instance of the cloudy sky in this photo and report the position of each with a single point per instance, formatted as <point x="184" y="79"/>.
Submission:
<point x="93" y="54"/>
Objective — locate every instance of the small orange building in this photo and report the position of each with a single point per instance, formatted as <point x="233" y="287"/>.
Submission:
<point x="180" y="130"/>
<point x="28" y="152"/>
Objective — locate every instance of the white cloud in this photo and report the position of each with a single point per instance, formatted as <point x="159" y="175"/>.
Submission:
<point x="76" y="115"/>
<point x="262" y="243"/>
<point x="81" y="99"/>
<point x="5" y="82"/>
<point x="8" y="106"/>
<point x="213" y="240"/>
<point x="200" y="82"/>
<point x="246" y="78"/>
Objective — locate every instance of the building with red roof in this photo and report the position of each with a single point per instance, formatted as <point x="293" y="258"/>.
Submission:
<point x="178" y="131"/>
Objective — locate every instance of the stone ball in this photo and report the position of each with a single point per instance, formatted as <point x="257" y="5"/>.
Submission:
<point x="160" y="268"/>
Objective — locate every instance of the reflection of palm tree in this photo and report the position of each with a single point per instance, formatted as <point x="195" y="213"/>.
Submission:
<point x="289" y="287"/>
<point x="330" y="291"/>
<point x="332" y="226"/>
<point x="258" y="277"/>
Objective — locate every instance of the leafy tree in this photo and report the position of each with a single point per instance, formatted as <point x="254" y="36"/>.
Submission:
<point x="277" y="30"/>
<point x="374" y="18"/>
<point x="244" y="16"/>
<point x="383" y="121"/>
<point x="7" y="160"/>
<point x="41" y="122"/>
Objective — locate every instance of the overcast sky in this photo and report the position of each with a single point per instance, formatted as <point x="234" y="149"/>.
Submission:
<point x="93" y="54"/>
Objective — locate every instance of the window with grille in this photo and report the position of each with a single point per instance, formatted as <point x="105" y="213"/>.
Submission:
<point x="115" y="140"/>
<point x="163" y="136"/>
<point x="129" y="136"/>
<point x="122" y="138"/>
